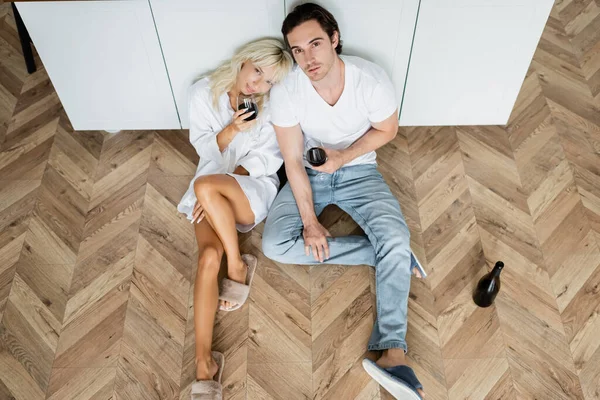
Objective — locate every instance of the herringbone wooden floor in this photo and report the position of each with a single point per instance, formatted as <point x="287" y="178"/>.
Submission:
<point x="96" y="266"/>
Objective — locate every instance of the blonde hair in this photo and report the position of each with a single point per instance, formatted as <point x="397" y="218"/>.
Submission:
<point x="262" y="53"/>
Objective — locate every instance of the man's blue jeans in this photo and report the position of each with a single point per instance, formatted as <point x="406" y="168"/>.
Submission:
<point x="361" y="192"/>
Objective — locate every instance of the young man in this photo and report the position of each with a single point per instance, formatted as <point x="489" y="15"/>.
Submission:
<point x="348" y="105"/>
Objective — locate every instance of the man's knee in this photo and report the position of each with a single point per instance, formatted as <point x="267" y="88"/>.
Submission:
<point x="274" y="244"/>
<point x="390" y="230"/>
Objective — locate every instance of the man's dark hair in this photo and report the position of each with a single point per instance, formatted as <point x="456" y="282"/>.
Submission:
<point x="309" y="11"/>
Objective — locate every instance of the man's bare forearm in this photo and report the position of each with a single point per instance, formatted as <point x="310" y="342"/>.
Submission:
<point x="370" y="141"/>
<point x="302" y="191"/>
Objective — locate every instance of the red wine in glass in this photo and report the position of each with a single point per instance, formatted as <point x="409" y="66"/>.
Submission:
<point x="316" y="156"/>
<point x="249" y="103"/>
<point x="488" y="287"/>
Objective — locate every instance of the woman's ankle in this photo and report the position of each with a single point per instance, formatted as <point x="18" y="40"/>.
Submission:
<point x="205" y="367"/>
<point x="203" y="355"/>
<point x="236" y="267"/>
<point x="235" y="263"/>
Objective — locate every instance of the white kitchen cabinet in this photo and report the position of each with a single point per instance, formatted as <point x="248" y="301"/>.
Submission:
<point x="196" y="36"/>
<point x="469" y="60"/>
<point x="380" y="31"/>
<point x="105" y="62"/>
<point x="128" y="64"/>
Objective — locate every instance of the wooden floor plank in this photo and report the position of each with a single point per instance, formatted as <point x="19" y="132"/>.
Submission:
<point x="97" y="267"/>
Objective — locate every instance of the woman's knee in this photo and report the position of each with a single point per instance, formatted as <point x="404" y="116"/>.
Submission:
<point x="209" y="260"/>
<point x="205" y="188"/>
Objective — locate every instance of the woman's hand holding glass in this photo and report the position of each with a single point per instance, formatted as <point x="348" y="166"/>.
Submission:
<point x="239" y="124"/>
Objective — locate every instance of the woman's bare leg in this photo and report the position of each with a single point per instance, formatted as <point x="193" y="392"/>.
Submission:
<point x="206" y="297"/>
<point x="225" y="204"/>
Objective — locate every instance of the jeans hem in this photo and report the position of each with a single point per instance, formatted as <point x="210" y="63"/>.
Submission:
<point x="388" y="345"/>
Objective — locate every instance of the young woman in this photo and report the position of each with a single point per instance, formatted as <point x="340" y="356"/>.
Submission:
<point x="234" y="186"/>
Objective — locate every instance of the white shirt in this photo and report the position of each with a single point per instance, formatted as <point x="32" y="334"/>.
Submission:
<point x="256" y="150"/>
<point x="368" y="97"/>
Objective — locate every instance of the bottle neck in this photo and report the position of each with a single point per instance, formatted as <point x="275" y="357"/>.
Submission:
<point x="497" y="269"/>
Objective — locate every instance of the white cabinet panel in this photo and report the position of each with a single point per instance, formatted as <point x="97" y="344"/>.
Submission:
<point x="196" y="36"/>
<point x="380" y="31"/>
<point x="469" y="60"/>
<point x="105" y="62"/>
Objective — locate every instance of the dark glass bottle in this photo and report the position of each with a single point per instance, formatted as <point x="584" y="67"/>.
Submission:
<point x="488" y="287"/>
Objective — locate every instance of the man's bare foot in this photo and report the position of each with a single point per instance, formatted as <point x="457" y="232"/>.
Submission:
<point x="417" y="273"/>
<point x="236" y="271"/>
<point x="206" y="368"/>
<point x="392" y="358"/>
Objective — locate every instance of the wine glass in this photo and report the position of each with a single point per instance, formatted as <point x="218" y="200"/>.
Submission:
<point x="249" y="102"/>
<point x="315" y="154"/>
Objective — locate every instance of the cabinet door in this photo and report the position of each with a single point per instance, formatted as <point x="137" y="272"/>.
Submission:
<point x="104" y="60"/>
<point x="196" y="36"/>
<point x="380" y="31"/>
<point x="469" y="60"/>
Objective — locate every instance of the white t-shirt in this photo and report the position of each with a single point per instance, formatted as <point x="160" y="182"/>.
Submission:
<point x="368" y="97"/>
